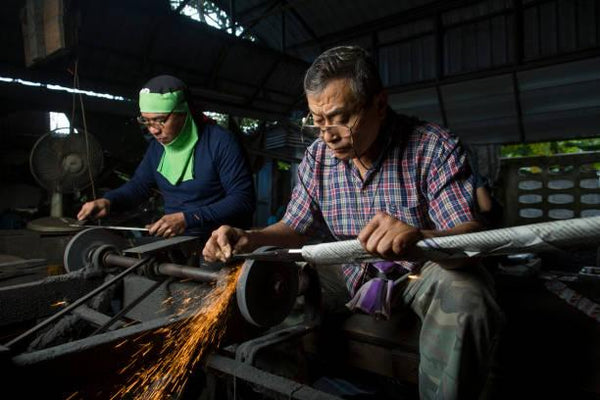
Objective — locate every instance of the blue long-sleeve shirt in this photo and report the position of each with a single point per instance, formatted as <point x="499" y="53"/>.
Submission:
<point x="222" y="191"/>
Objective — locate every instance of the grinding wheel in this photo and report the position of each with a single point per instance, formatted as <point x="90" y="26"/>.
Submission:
<point x="266" y="291"/>
<point x="80" y="246"/>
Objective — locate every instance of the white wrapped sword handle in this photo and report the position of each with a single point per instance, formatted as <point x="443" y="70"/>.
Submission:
<point x="540" y="237"/>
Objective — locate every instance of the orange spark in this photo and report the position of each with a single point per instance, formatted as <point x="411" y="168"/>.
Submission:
<point x="184" y="344"/>
<point x="72" y="396"/>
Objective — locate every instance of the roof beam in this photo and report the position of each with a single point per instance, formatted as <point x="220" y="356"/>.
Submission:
<point x="264" y="80"/>
<point x="265" y="4"/>
<point x="247" y="25"/>
<point x="548" y="61"/>
<point x="301" y="20"/>
<point x="400" y="18"/>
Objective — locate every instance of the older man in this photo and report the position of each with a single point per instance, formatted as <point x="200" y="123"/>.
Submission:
<point x="199" y="168"/>
<point x="389" y="180"/>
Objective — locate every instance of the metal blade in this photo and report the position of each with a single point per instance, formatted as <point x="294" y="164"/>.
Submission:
<point x="118" y="228"/>
<point x="272" y="255"/>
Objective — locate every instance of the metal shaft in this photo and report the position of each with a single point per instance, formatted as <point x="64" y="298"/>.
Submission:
<point x="77" y="303"/>
<point x="167" y="269"/>
<point x="184" y="272"/>
<point x="115" y="260"/>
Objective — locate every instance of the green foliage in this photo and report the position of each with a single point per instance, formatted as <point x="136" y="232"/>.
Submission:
<point x="550" y="148"/>
<point x="283" y="166"/>
<point x="209" y="13"/>
<point x="248" y="125"/>
<point x="222" y="119"/>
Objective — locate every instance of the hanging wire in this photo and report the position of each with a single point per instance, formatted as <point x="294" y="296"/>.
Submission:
<point x="85" y="130"/>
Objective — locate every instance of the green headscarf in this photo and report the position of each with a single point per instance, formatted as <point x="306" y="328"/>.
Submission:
<point x="177" y="161"/>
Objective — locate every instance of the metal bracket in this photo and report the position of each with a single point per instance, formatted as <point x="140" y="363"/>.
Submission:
<point x="247" y="351"/>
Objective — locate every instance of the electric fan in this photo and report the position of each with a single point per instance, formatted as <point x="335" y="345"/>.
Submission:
<point x="63" y="163"/>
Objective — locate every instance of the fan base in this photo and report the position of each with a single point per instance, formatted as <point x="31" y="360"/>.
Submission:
<point x="53" y="225"/>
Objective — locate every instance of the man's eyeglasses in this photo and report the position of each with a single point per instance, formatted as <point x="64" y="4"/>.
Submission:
<point x="309" y="128"/>
<point x="158" y="122"/>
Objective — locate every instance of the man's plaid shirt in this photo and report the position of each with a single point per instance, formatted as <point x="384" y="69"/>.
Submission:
<point x="421" y="178"/>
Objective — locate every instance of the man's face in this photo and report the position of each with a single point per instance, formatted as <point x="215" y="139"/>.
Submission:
<point x="336" y="105"/>
<point x="170" y="130"/>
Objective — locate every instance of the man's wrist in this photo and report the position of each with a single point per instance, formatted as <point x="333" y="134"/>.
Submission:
<point x="254" y="237"/>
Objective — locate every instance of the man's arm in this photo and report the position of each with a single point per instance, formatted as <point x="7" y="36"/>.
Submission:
<point x="137" y="189"/>
<point x="301" y="219"/>
<point x="236" y="179"/>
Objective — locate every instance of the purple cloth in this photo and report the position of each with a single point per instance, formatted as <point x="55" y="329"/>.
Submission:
<point x="385" y="266"/>
<point x="374" y="297"/>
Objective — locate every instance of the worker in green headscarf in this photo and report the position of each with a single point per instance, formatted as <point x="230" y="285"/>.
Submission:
<point x="199" y="167"/>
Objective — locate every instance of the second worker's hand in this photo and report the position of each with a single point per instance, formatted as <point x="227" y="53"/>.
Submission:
<point x="168" y="226"/>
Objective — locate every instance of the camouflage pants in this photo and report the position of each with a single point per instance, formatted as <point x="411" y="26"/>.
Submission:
<point x="460" y="323"/>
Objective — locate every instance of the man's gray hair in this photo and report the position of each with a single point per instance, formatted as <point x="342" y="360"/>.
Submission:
<point x="350" y="62"/>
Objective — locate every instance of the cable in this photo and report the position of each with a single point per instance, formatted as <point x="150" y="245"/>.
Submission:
<point x="85" y="130"/>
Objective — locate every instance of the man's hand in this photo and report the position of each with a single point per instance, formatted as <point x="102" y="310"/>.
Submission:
<point x="168" y="226"/>
<point x="94" y="209"/>
<point x="389" y="238"/>
<point x="224" y="242"/>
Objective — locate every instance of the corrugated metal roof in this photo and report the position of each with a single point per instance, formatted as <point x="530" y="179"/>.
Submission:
<point x="427" y="50"/>
<point x="122" y="44"/>
<point x="309" y="20"/>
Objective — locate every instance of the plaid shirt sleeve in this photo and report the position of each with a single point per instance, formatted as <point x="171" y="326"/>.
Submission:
<point x="449" y="183"/>
<point x="303" y="213"/>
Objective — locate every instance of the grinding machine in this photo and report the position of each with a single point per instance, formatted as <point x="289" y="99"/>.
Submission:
<point x="115" y="295"/>
<point x="74" y="331"/>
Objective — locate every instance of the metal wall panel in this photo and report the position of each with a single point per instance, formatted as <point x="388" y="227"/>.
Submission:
<point x="409" y="61"/>
<point x="479" y="45"/>
<point x="556" y="27"/>
<point x="422" y="103"/>
<point x="561" y="100"/>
